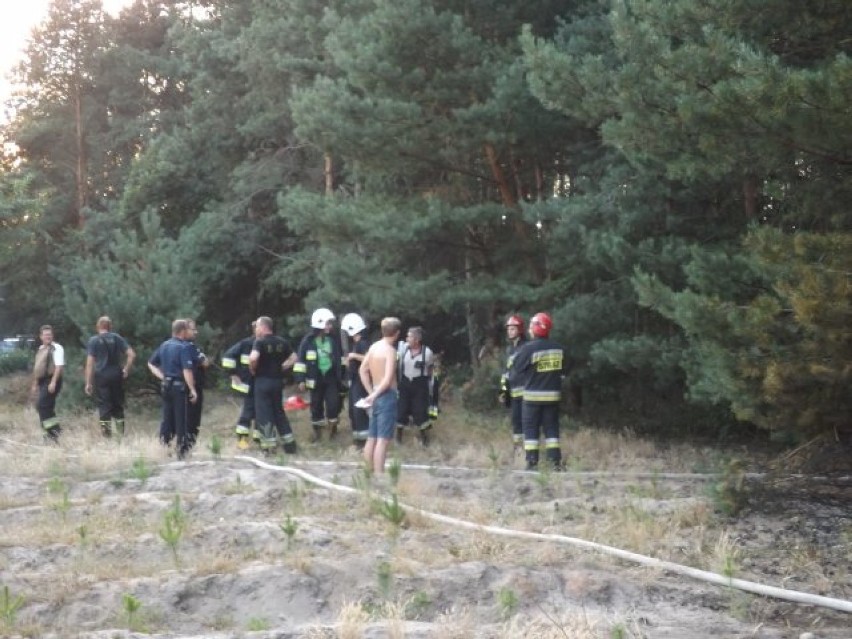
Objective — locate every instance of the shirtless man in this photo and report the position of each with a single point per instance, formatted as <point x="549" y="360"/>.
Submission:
<point x="378" y="374"/>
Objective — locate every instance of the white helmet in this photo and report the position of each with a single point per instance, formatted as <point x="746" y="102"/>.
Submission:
<point x="321" y="317"/>
<point x="353" y="324"/>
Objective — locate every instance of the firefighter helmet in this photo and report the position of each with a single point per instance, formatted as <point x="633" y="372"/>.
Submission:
<point x="516" y="320"/>
<point x="353" y="324"/>
<point x="321" y="317"/>
<point x="541" y="324"/>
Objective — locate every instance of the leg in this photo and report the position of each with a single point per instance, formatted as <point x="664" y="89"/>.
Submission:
<point x="318" y="408"/>
<point x="104" y="399"/>
<point x="117" y="394"/>
<point x="264" y="414"/>
<point x="532" y="419"/>
<point x="332" y="403"/>
<point x="517" y="423"/>
<point x="420" y="408"/>
<point x="403" y="411"/>
<point x="46" y="406"/>
<point x="550" y="422"/>
<point x="282" y="423"/>
<point x="243" y="428"/>
<point x="180" y="408"/>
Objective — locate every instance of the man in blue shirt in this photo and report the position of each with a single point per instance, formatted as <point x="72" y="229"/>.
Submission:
<point x="173" y="364"/>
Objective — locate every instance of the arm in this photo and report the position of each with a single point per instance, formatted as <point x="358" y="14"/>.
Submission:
<point x="254" y="357"/>
<point x="288" y="363"/>
<point x="131" y="357"/>
<point x="189" y="378"/>
<point x="364" y="373"/>
<point x="89" y="375"/>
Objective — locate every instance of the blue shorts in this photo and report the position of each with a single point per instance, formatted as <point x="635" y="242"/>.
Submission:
<point x="383" y="415"/>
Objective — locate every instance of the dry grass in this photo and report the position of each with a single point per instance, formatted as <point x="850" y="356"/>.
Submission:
<point x="626" y="510"/>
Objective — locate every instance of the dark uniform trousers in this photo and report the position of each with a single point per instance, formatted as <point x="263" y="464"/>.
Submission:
<point x="516" y="411"/>
<point x="270" y="418"/>
<point x="538" y="416"/>
<point x="175" y="415"/>
<point x="358" y="417"/>
<point x="325" y="398"/>
<point x="109" y="391"/>
<point x="193" y="425"/>
<point x="414" y="401"/>
<point x="46" y="403"/>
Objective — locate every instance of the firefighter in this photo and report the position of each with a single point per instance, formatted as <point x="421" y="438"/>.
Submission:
<point x="105" y="375"/>
<point x="202" y="363"/>
<point x="512" y="397"/>
<point x="539" y="366"/>
<point x="356" y="329"/>
<point x="173" y="364"/>
<point x="47" y="382"/>
<point x="236" y="361"/>
<point x="416" y="363"/>
<point x="270" y="357"/>
<point x="319" y="370"/>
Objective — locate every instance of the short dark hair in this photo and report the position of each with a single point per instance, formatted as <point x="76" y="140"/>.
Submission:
<point x="45" y="327"/>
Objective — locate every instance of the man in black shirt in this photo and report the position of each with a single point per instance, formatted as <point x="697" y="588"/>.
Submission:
<point x="105" y="374"/>
<point x="270" y="356"/>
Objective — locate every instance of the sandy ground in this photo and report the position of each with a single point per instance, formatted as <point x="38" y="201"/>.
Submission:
<point x="262" y="553"/>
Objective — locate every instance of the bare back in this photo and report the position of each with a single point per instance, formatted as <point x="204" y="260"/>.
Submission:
<point x="378" y="371"/>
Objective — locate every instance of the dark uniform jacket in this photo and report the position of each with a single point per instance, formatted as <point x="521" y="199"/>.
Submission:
<point x="236" y="361"/>
<point x="538" y="367"/>
<point x="306" y="368"/>
<point x="515" y="391"/>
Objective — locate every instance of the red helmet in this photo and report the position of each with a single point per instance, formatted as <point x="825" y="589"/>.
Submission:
<point x="541" y="324"/>
<point x="516" y="320"/>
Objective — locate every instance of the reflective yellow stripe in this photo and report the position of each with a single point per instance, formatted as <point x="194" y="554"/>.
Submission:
<point x="530" y="444"/>
<point x="311" y="356"/>
<point x="299" y="367"/>
<point x="241" y="430"/>
<point x="240" y="387"/>
<point x="551" y="443"/>
<point x="229" y="362"/>
<point x="309" y="383"/>
<point x="245" y="360"/>
<point x="517" y="392"/>
<point x="542" y="396"/>
<point x="50" y="422"/>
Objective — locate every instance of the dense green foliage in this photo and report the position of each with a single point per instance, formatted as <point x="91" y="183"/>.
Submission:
<point x="671" y="180"/>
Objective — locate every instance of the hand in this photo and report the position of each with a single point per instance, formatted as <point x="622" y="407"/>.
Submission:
<point x="301" y="387"/>
<point x="88" y="388"/>
<point x="51" y="388"/>
<point x="193" y="397"/>
<point x="124" y="373"/>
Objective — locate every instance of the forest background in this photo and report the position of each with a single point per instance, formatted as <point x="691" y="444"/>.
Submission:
<point x="669" y="179"/>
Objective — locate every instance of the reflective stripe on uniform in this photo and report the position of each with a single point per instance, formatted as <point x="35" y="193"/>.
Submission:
<point x="229" y="362"/>
<point x="245" y="359"/>
<point x="360" y="435"/>
<point x="241" y="430"/>
<point x="50" y="422"/>
<point x="544" y="396"/>
<point x="311" y="356"/>
<point x="240" y="387"/>
<point x="531" y="444"/>
<point x="309" y="383"/>
<point x="517" y="438"/>
<point x="288" y="438"/>
<point x="300" y="367"/>
<point x="551" y="442"/>
<point x="517" y="392"/>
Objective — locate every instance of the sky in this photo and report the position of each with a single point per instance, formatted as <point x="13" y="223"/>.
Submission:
<point x="17" y="18"/>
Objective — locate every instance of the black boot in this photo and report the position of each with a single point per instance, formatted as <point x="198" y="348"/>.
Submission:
<point x="332" y="429"/>
<point x="317" y="433"/>
<point x="290" y="448"/>
<point x="51" y="435"/>
<point x="424" y="437"/>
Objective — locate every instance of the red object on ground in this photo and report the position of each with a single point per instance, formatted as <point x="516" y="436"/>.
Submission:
<point x="295" y="402"/>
